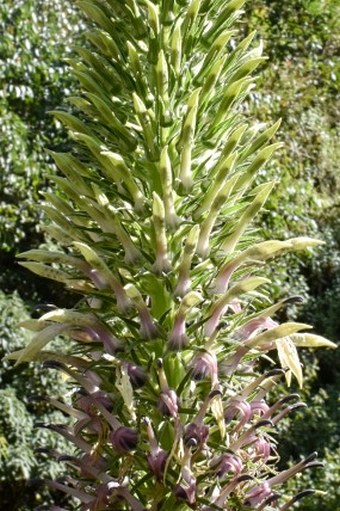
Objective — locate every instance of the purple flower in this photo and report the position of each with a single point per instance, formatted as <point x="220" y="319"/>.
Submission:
<point x="156" y="461"/>
<point x="88" y="402"/>
<point x="258" y="494"/>
<point x="102" y="282"/>
<point x="259" y="407"/>
<point x="148" y="329"/>
<point x="92" y="464"/>
<point x="236" y="405"/>
<point x="124" y="439"/>
<point x="229" y="488"/>
<point x="187" y="488"/>
<point x="261" y="492"/>
<point x="262" y="448"/>
<point x="98" y="333"/>
<point x="222" y="280"/>
<point x="254" y="326"/>
<point x="177" y="338"/>
<point x="186" y="491"/>
<point x="69" y="433"/>
<point x="157" y="457"/>
<point x="183" y="285"/>
<point x="227" y="463"/>
<point x="137" y="374"/>
<point x="204" y="365"/>
<point x="168" y="403"/>
<point x="195" y="434"/>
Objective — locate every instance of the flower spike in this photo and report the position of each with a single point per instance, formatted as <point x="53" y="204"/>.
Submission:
<point x="169" y="406"/>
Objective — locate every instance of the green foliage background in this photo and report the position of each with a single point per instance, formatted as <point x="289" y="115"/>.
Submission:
<point x="300" y="83"/>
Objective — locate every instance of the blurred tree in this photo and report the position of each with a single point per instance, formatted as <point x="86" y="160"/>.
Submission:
<point x="36" y="37"/>
<point x="19" y="439"/>
<point x="300" y="84"/>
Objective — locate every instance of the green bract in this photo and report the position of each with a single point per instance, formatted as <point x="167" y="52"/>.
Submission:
<point x="154" y="219"/>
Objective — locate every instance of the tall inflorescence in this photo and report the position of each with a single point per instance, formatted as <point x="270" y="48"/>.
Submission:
<point x="153" y="217"/>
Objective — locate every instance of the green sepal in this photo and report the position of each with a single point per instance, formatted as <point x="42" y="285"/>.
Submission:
<point x="174" y="369"/>
<point x="289" y="358"/>
<point x="73" y="170"/>
<point x="218" y="182"/>
<point x="104" y="43"/>
<point x="307" y="340"/>
<point x="223" y="18"/>
<point x="176" y="49"/>
<point x="50" y="256"/>
<point x="246" y="285"/>
<point x="258" y="162"/>
<point x="70" y="229"/>
<point x="96" y="262"/>
<point x="214" y="53"/>
<point x="230" y="95"/>
<point x="186" y="140"/>
<point x="38" y="342"/>
<point x="162" y="263"/>
<point x="249" y="214"/>
<point x="153" y="14"/>
<point x="207" y="225"/>
<point x="43" y="270"/>
<point x="260" y="141"/>
<point x="106" y="111"/>
<point x="162" y="74"/>
<point x="278" y="332"/>
<point x="97" y="15"/>
<point x="71" y="122"/>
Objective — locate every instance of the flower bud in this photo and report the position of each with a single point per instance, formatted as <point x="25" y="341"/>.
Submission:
<point x="176" y="49"/>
